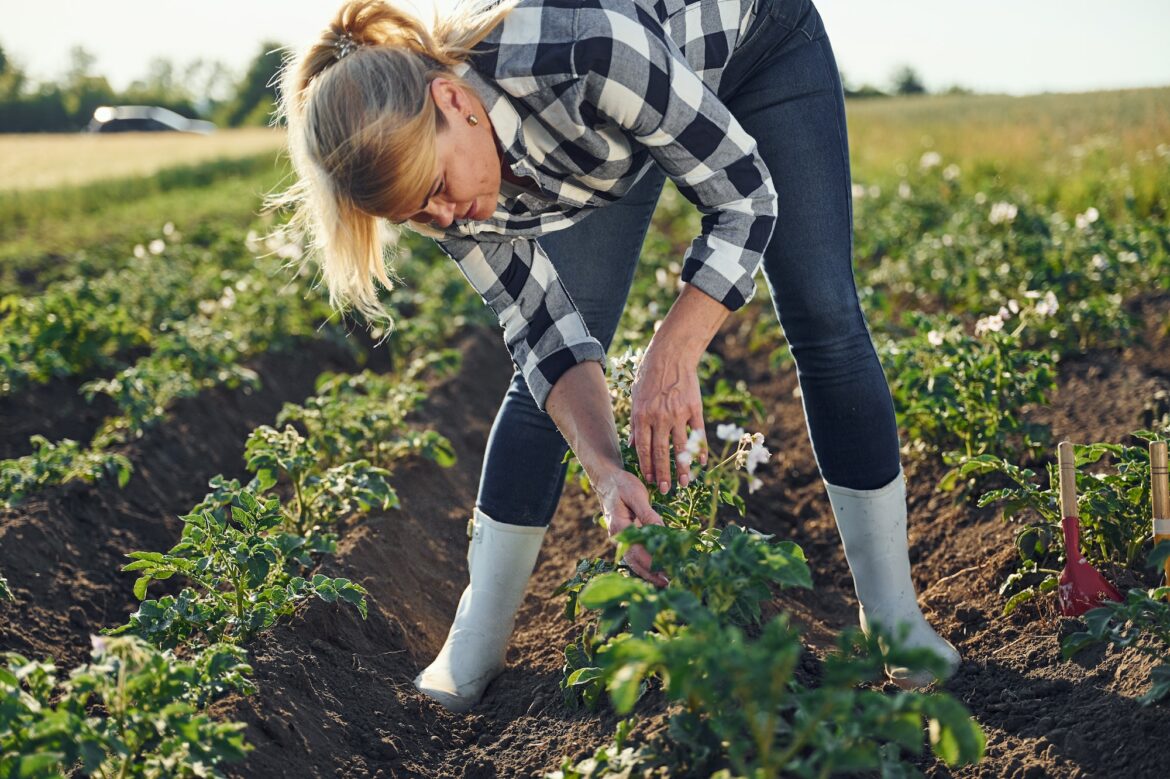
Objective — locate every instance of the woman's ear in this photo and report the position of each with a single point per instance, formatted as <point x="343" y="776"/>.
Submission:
<point x="447" y="95"/>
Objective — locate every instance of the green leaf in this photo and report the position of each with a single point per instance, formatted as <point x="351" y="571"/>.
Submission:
<point x="611" y="588"/>
<point x="955" y="737"/>
<point x="624" y="687"/>
<point x="140" y="586"/>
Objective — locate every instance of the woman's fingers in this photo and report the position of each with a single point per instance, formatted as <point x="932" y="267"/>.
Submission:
<point x="661" y="450"/>
<point x="639" y="561"/>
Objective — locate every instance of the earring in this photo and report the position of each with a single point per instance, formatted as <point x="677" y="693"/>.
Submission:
<point x="471" y="120"/>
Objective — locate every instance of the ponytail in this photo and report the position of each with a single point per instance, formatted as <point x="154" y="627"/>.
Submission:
<point x="361" y="135"/>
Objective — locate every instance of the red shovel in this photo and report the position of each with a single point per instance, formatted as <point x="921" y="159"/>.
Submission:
<point x="1081" y="587"/>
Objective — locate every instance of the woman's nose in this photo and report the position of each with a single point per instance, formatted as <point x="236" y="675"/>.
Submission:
<point x="441" y="212"/>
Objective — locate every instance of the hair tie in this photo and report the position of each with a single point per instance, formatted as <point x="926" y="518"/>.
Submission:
<point x="345" y="44"/>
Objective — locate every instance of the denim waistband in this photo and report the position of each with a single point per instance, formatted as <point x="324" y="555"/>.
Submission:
<point x="772" y="27"/>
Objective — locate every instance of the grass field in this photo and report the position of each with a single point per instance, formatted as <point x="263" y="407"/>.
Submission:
<point x="1064" y="148"/>
<point x="40" y="161"/>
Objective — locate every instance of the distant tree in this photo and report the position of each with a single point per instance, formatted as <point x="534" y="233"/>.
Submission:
<point x="255" y="93"/>
<point x="81" y="92"/>
<point x="81" y="61"/>
<point x="907" y="82"/>
<point x="957" y="89"/>
<point x="866" y="90"/>
<point x="12" y="78"/>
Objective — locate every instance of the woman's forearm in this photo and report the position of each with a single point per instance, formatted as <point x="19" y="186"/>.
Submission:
<point x="580" y="406"/>
<point x="691" y="323"/>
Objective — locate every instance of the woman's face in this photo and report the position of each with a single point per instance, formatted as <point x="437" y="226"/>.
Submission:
<point x="466" y="181"/>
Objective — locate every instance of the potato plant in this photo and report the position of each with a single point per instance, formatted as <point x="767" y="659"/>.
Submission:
<point x="133" y="711"/>
<point x="1113" y="503"/>
<point x="234" y="551"/>
<point x="940" y="238"/>
<point x="364" y="415"/>
<point x="743" y="704"/>
<point x="961" y="395"/>
<point x="253" y="312"/>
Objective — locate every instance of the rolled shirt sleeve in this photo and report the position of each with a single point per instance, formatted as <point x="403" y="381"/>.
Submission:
<point x="543" y="330"/>
<point x="632" y="74"/>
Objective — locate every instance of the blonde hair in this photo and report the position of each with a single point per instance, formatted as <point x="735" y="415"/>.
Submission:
<point x="361" y="135"/>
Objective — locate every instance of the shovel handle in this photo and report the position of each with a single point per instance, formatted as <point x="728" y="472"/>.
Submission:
<point x="1159" y="480"/>
<point x="1068" y="480"/>
<point x="1160" y="495"/>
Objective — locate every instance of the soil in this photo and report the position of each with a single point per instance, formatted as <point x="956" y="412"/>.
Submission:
<point x="335" y="695"/>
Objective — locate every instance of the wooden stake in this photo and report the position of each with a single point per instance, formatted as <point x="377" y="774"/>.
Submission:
<point x="1068" y="480"/>
<point x="1160" y="495"/>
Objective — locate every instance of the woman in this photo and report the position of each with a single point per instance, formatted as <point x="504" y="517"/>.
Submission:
<point x="531" y="140"/>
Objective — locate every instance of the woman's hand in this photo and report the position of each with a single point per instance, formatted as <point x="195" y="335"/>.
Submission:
<point x="665" y="399"/>
<point x="626" y="502"/>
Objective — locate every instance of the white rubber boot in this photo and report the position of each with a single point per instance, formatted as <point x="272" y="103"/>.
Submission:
<point x="500" y="559"/>
<point x="872" y="524"/>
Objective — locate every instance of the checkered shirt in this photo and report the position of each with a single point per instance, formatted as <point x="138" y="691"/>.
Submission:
<point x="584" y="95"/>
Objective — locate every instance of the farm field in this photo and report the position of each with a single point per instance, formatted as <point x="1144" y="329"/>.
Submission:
<point x="296" y="494"/>
<point x="40" y="161"/>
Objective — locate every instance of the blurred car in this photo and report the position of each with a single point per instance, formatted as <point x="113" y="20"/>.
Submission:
<point x="144" y="118"/>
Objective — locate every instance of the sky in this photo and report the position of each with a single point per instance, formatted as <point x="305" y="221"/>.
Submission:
<point x="1008" y="46"/>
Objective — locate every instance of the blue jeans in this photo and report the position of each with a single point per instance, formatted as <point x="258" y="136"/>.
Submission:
<point x="783" y="86"/>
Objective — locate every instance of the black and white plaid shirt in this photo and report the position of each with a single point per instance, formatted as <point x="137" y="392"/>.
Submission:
<point x="584" y="95"/>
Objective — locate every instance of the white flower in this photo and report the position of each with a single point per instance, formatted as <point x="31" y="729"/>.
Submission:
<point x="1099" y="262"/>
<point x="754" y="484"/>
<point x="948" y="240"/>
<point x="140" y="251"/>
<point x="951" y="172"/>
<point x="858" y="191"/>
<point x="980" y="198"/>
<point x="1048" y="306"/>
<point x="694" y="443"/>
<point x="929" y="160"/>
<point x="989" y="324"/>
<point x="1127" y="257"/>
<point x="904" y="191"/>
<point x="935" y="338"/>
<point x="157" y="246"/>
<point x="1002" y="212"/>
<point x="1004" y="313"/>
<point x="168" y="228"/>
<point x="728" y="432"/>
<point x="756" y="457"/>
<point x="662" y="278"/>
<point x="1013" y="306"/>
<point x="1084" y="220"/>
